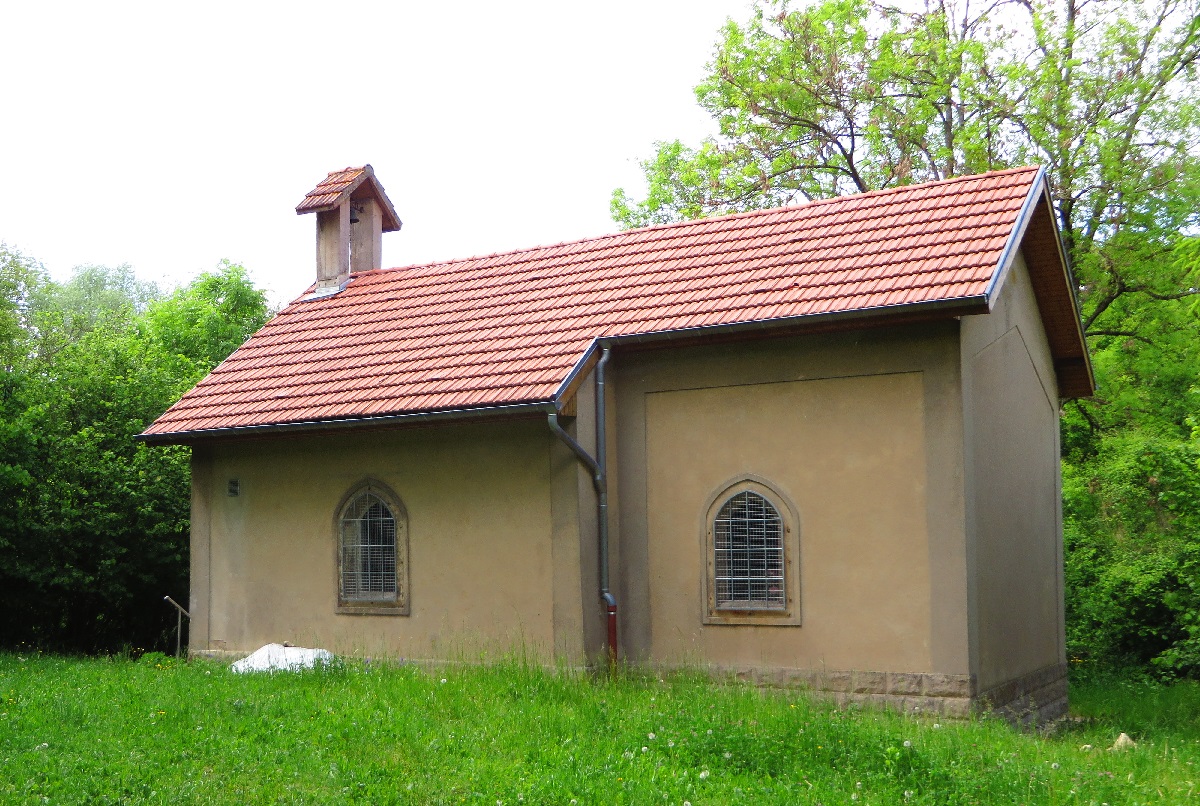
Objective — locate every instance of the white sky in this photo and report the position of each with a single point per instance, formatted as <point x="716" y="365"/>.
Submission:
<point x="169" y="135"/>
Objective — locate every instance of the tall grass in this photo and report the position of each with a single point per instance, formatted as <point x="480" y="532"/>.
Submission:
<point x="155" y="731"/>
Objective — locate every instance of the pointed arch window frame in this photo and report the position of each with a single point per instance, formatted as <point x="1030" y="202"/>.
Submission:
<point x="389" y="603"/>
<point x="718" y="612"/>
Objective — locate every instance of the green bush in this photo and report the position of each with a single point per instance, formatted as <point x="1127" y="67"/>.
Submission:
<point x="94" y="525"/>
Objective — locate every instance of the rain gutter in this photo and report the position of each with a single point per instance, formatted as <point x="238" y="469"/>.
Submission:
<point x="185" y="437"/>
<point x="945" y="307"/>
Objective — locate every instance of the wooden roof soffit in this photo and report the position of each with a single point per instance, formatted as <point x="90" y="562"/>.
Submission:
<point x="1036" y="236"/>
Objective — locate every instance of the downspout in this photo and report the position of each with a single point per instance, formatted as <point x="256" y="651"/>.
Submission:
<point x="610" y="601"/>
<point x="598" y="468"/>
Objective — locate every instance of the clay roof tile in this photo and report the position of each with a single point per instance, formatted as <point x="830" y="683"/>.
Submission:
<point x="509" y="328"/>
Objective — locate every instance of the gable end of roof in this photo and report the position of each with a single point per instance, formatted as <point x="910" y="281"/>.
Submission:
<point x="1036" y="235"/>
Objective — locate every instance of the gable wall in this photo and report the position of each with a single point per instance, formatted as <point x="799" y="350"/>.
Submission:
<point x="1014" y="494"/>
<point x="482" y="541"/>
<point x="861" y="433"/>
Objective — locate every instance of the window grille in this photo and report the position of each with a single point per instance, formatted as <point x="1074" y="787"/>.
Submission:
<point x="368" y="551"/>
<point x="749" y="554"/>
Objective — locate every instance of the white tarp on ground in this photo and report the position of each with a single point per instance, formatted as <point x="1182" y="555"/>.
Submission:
<point x="277" y="657"/>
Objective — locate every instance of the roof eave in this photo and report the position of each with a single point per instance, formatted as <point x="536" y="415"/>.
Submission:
<point x="559" y="402"/>
<point x="313" y="426"/>
<point x="882" y="315"/>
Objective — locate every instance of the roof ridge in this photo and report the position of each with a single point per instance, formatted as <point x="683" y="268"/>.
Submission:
<point x="696" y="221"/>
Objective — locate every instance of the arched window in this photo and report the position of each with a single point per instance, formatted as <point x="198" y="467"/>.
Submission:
<point x="751" y="556"/>
<point x="748" y="554"/>
<point x="372" y="540"/>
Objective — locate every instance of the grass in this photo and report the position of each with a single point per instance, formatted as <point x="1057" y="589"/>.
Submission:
<point x="156" y="731"/>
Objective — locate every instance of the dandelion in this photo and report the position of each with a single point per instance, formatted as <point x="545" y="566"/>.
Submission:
<point x="443" y="680"/>
<point x="907" y="743"/>
<point x="670" y="743"/>
<point x="858" y="784"/>
<point x="704" y="774"/>
<point x="908" y="793"/>
<point x="1054" y="766"/>
<point x="710" y="731"/>
<point x="650" y="736"/>
<point x="645" y="749"/>
<point x="728" y="754"/>
<point x="936" y="726"/>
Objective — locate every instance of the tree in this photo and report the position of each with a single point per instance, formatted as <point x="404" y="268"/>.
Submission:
<point x="844" y="96"/>
<point x="93" y="530"/>
<point x="852" y="95"/>
<point x="95" y="297"/>
<point x="20" y="280"/>
<point x="849" y="96"/>
<point x="209" y="319"/>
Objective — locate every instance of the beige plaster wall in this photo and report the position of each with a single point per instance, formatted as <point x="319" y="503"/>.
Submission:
<point x="1013" y="484"/>
<point x="861" y="433"/>
<point x="491" y="568"/>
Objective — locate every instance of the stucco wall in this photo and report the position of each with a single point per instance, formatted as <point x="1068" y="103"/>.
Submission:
<point x="862" y="435"/>
<point x="1014" y="510"/>
<point x="483" y="543"/>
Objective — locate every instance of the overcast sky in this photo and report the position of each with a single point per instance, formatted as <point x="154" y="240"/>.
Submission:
<point x="168" y="136"/>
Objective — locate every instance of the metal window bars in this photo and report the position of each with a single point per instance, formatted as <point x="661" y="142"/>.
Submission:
<point x="749" y="554"/>
<point x="368" y="551"/>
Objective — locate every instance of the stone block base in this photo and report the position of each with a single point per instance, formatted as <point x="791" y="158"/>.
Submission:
<point x="1032" y="699"/>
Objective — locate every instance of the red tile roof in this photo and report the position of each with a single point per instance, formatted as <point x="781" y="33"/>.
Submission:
<point x="510" y="328"/>
<point x="346" y="183"/>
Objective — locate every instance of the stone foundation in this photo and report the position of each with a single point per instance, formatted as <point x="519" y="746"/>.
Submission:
<point x="1033" y="699"/>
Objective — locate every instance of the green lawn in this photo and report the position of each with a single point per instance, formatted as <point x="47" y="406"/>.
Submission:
<point x="119" y="731"/>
